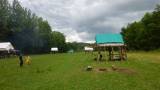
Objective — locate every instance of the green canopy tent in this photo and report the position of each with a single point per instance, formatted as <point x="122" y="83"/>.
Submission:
<point x="110" y="42"/>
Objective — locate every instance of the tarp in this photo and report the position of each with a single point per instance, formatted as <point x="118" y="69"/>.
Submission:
<point x="88" y="49"/>
<point x="54" y="49"/>
<point x="109" y="38"/>
<point x="6" y="46"/>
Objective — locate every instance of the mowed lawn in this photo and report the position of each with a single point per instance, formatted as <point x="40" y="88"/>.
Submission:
<point x="67" y="72"/>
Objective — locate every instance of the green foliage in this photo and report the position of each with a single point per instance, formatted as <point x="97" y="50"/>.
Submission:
<point x="4" y="17"/>
<point x="144" y="35"/>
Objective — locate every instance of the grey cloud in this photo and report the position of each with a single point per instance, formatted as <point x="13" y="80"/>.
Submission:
<point x="85" y="18"/>
<point x="139" y="5"/>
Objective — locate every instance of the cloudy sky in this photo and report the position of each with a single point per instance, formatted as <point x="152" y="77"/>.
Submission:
<point x="80" y="20"/>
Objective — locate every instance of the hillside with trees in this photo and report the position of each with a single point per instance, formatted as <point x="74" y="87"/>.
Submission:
<point x="144" y="34"/>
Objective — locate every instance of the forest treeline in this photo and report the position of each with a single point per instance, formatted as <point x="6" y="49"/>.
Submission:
<point x="26" y="31"/>
<point x="144" y="34"/>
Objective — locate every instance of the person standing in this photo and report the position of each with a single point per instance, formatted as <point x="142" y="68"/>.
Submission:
<point x="21" y="60"/>
<point x="100" y="56"/>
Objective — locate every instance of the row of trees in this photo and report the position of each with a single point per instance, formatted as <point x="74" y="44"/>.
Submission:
<point x="76" y="46"/>
<point x="144" y="34"/>
<point x="26" y="31"/>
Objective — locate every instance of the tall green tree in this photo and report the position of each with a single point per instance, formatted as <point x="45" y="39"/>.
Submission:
<point x="4" y="17"/>
<point x="57" y="39"/>
<point x="144" y="35"/>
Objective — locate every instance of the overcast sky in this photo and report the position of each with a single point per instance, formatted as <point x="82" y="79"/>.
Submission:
<point x="80" y="20"/>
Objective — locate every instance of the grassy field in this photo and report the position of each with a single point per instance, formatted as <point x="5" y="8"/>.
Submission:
<point x="67" y="72"/>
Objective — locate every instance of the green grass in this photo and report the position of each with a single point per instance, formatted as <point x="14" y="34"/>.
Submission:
<point x="67" y="72"/>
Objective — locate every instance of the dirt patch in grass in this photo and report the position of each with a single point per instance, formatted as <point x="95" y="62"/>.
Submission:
<point x="126" y="71"/>
<point x="115" y="69"/>
<point x="102" y="69"/>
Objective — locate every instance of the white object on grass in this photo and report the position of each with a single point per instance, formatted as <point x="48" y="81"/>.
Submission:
<point x="54" y="49"/>
<point x="88" y="49"/>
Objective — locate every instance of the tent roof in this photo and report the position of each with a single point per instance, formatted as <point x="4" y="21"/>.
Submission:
<point x="109" y="39"/>
<point x="6" y="46"/>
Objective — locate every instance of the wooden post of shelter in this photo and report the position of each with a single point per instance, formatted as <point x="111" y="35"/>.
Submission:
<point x="109" y="50"/>
<point x="106" y="53"/>
<point x="121" y="53"/>
<point x="103" y="52"/>
<point x="112" y="53"/>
